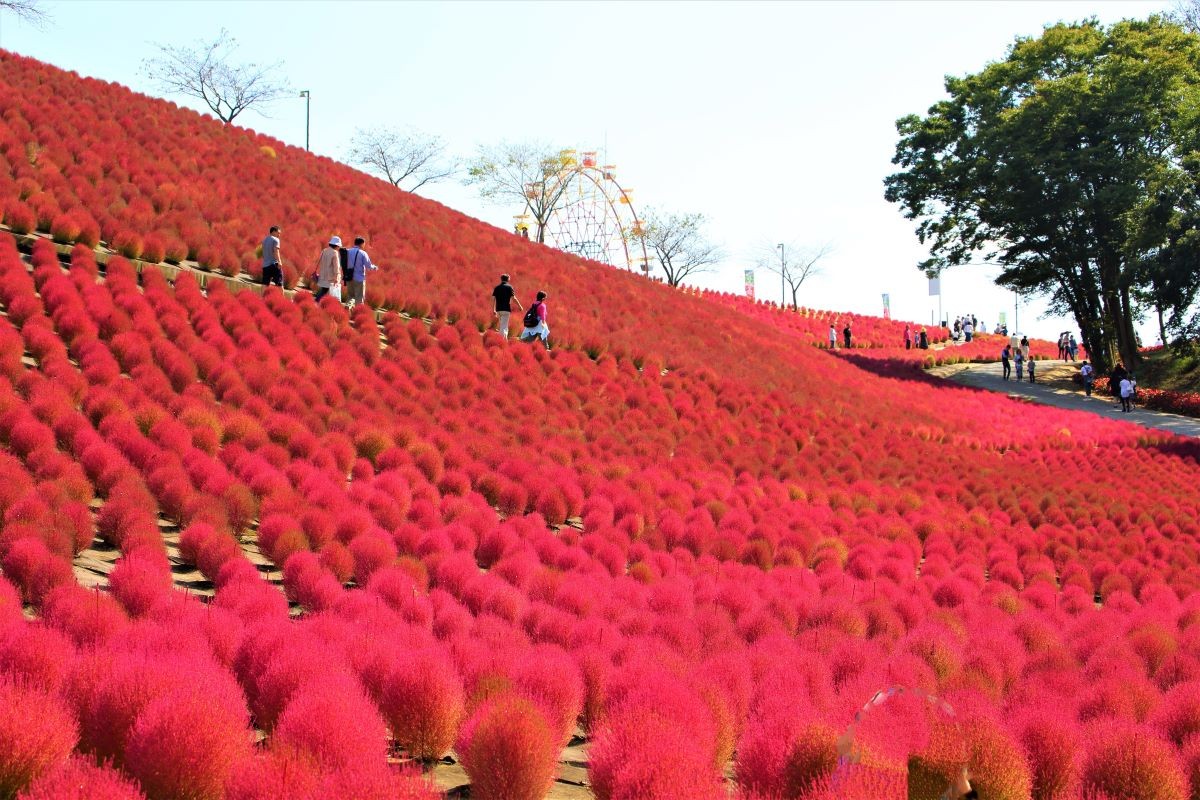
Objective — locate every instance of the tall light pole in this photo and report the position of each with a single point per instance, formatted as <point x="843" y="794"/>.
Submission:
<point x="782" y="277"/>
<point x="307" y="95"/>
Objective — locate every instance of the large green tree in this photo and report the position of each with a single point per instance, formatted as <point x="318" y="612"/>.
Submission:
<point x="1071" y="163"/>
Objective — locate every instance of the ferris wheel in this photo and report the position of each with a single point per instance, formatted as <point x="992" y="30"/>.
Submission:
<point x="594" y="215"/>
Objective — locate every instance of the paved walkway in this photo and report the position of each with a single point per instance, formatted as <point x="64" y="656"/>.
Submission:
<point x="990" y="376"/>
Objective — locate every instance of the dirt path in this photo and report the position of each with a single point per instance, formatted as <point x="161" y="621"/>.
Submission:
<point x="1055" y="388"/>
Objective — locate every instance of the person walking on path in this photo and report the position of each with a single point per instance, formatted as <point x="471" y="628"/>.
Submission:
<point x="1032" y="368"/>
<point x="832" y="337"/>
<point x="1025" y="347"/>
<point x="1127" y="389"/>
<point x="535" y="322"/>
<point x="1005" y="356"/>
<point x="968" y="329"/>
<point x="272" y="261"/>
<point x="1072" y="346"/>
<point x="503" y="296"/>
<point x="846" y="335"/>
<point x="1115" y="377"/>
<point x="329" y="271"/>
<point x="360" y="264"/>
<point x="907" y="338"/>
<point x="923" y="340"/>
<point x="1089" y="377"/>
<point x="1020" y="359"/>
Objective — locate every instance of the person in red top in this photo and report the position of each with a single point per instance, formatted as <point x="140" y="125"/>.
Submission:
<point x="535" y="322"/>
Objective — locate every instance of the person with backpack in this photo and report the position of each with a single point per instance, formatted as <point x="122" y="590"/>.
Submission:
<point x="1089" y="377"/>
<point x="272" y="261"/>
<point x="503" y="296"/>
<point x="329" y="271"/>
<point x="535" y="321"/>
<point x="360" y="264"/>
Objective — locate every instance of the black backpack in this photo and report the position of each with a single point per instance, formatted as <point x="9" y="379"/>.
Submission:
<point x="532" y="320"/>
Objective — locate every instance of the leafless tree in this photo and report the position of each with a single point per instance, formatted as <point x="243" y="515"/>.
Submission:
<point x="206" y="73"/>
<point x="529" y="174"/>
<point x="402" y="157"/>
<point x="678" y="243"/>
<point x="794" y="263"/>
<point x="1186" y="15"/>
<point x="30" y="11"/>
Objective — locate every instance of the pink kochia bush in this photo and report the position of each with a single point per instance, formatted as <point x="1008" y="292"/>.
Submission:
<point x="186" y="744"/>
<point x="333" y="723"/>
<point x="508" y="750"/>
<point x="658" y="741"/>
<point x="81" y="779"/>
<point x="37" y="733"/>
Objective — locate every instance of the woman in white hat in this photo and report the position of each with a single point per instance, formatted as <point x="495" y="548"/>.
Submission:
<point x="329" y="271"/>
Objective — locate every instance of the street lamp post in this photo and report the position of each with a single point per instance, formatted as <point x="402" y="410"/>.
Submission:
<point x="307" y="95"/>
<point x="782" y="277"/>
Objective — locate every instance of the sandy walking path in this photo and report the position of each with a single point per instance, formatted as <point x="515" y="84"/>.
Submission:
<point x="1054" y="388"/>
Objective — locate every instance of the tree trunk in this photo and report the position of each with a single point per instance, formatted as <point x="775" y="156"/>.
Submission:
<point x="1162" y="328"/>
<point x="1126" y="335"/>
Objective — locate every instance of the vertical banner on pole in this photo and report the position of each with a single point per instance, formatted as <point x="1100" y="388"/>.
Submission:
<point x="935" y="287"/>
<point x="887" y="306"/>
<point x="750" y="283"/>
<point x="1003" y="318"/>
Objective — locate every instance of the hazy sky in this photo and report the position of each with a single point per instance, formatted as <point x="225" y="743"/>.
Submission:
<point x="775" y="120"/>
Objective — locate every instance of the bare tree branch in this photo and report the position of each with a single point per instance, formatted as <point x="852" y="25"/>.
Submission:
<point x="402" y="156"/>
<point x="531" y="174"/>
<point x="796" y="264"/>
<point x="29" y="11"/>
<point x="678" y="243"/>
<point x="1186" y="14"/>
<point x="206" y="73"/>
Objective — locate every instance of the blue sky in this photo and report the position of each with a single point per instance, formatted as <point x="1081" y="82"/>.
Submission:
<point x="774" y="119"/>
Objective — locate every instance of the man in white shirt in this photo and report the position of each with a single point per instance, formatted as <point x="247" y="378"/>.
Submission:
<point x="359" y="264"/>
<point x="1089" y="377"/>
<point x="1127" y="388"/>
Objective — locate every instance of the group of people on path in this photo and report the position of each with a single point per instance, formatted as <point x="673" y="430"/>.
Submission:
<point x="921" y="342"/>
<point x="964" y="328"/>
<point x="340" y="271"/>
<point x="1068" y="346"/>
<point x="534" y="322"/>
<point x="1018" y="354"/>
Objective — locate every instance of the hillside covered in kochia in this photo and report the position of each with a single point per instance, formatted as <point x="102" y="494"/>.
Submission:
<point x="685" y="519"/>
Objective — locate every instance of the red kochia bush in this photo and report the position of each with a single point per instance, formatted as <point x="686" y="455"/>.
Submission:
<point x="508" y="750"/>
<point x="81" y="779"/>
<point x="423" y="703"/>
<point x="36" y="655"/>
<point x="634" y="754"/>
<point x="37" y="732"/>
<point x="1132" y="763"/>
<point x="186" y="744"/>
<point x="333" y="723"/>
<point x="139" y="581"/>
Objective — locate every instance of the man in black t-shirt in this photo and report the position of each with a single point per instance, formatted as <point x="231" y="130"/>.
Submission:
<point x="503" y="296"/>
